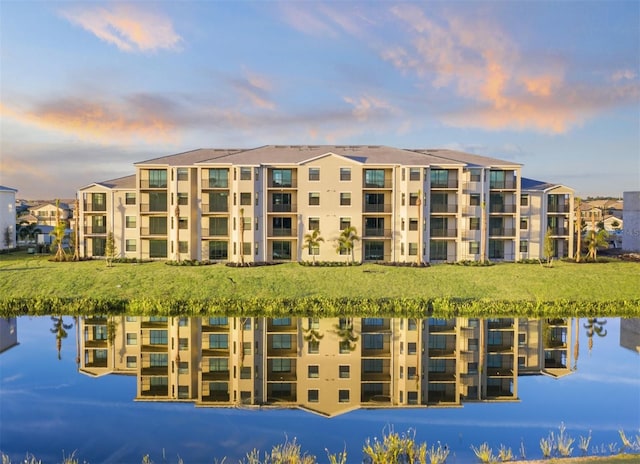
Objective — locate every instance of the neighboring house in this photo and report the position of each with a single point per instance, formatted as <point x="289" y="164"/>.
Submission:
<point x="7" y="217"/>
<point x="46" y="213"/>
<point x="257" y="205"/>
<point x="631" y="233"/>
<point x="553" y="202"/>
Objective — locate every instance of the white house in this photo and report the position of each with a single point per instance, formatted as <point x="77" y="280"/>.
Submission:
<point x="631" y="234"/>
<point x="7" y="218"/>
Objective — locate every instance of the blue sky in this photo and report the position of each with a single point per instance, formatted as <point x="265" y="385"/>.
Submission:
<point x="88" y="88"/>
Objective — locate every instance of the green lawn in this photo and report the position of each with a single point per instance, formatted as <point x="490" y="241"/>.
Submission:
<point x="35" y="277"/>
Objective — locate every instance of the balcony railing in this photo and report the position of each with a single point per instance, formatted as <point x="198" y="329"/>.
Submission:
<point x="91" y="207"/>
<point x="206" y="232"/>
<point x="147" y="208"/>
<point x="145" y="231"/>
<point x="146" y="184"/>
<point x="89" y="230"/>
<point x="559" y="231"/>
<point x="286" y="208"/>
<point x="500" y="323"/>
<point x="216" y="375"/>
<point x="439" y="209"/>
<point x="502" y="232"/>
<point x="384" y="208"/>
<point x="208" y="208"/>
<point x="377" y="232"/>
<point x="214" y="184"/>
<point x="386" y="184"/>
<point x="558" y="209"/>
<point x="283" y="185"/>
<point x="450" y="184"/>
<point x="509" y="184"/>
<point x="447" y="233"/>
<point x="468" y="187"/>
<point x="284" y="232"/>
<point x="502" y="209"/>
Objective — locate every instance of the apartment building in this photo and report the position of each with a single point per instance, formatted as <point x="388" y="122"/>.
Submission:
<point x="325" y="366"/>
<point x="7" y="217"/>
<point x="256" y="205"/>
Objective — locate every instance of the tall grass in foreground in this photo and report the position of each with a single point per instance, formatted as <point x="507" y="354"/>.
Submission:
<point x="394" y="448"/>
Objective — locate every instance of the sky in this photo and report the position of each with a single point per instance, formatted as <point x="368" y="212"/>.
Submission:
<point x="89" y="88"/>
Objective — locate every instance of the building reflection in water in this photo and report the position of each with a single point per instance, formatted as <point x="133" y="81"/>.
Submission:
<point x="8" y="333"/>
<point x="327" y="366"/>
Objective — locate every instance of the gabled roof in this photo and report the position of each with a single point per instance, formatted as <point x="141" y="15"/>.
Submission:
<point x="189" y="157"/>
<point x="532" y="184"/>
<point x="123" y="183"/>
<point x="49" y="203"/>
<point x="469" y="159"/>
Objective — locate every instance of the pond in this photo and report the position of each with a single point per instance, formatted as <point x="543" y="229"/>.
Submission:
<point x="115" y="389"/>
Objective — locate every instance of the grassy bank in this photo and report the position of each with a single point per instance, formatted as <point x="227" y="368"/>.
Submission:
<point x="30" y="282"/>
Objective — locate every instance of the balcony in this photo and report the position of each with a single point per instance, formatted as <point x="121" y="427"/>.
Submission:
<point x="509" y="184"/>
<point x="282" y="232"/>
<point x="559" y="231"/>
<point x="471" y="210"/>
<point x="471" y="187"/>
<point x="215" y="375"/>
<point x="502" y="323"/>
<point x="376" y="325"/>
<point x="449" y="184"/>
<point x="384" y="208"/>
<point x="383" y="352"/>
<point x="146" y="184"/>
<point x="502" y="232"/>
<point x="89" y="230"/>
<point x="157" y="208"/>
<point x="448" y="325"/>
<point x="442" y="376"/>
<point x="505" y="371"/>
<point x="206" y="232"/>
<point x="274" y="184"/>
<point x="283" y="208"/>
<point x="147" y="232"/>
<point x="386" y="184"/>
<point x="154" y="370"/>
<point x="94" y="207"/>
<point x="442" y="352"/>
<point x="502" y="209"/>
<point x="376" y="232"/>
<point x="503" y="348"/>
<point x="215" y="351"/>
<point x="280" y="376"/>
<point x="95" y="320"/>
<point x="444" y="209"/>
<point x="443" y="233"/>
<point x="209" y="184"/>
<point x="558" y="209"/>
<point x="208" y="208"/>
<point x="384" y="376"/>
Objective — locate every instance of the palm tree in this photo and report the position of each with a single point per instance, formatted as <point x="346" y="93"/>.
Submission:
<point x="344" y="330"/>
<point x="29" y="232"/>
<point x="346" y="241"/>
<point x="596" y="239"/>
<point x="58" y="233"/>
<point x="594" y="326"/>
<point x="313" y="241"/>
<point x="578" y="213"/>
<point x="60" y="329"/>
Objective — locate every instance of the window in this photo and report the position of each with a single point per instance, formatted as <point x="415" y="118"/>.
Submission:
<point x="314" y="347"/>
<point x="496" y="249"/>
<point x="183" y="322"/>
<point x="132" y="362"/>
<point x="281" y="342"/>
<point x="218" y="226"/>
<point x="158" y="359"/>
<point x="372" y="366"/>
<point x="314" y="223"/>
<point x="524" y="223"/>
<point x="413" y="224"/>
<point x="130" y="244"/>
<point x="374" y="178"/>
<point x="474" y="248"/>
<point x="246" y="348"/>
<point x="343" y="396"/>
<point x="313" y="396"/>
<point x="497" y="180"/>
<point x="373" y="250"/>
<point x="218" y="341"/>
<point x="183" y="247"/>
<point x="157" y="201"/>
<point x="183" y="223"/>
<point x="218" y="365"/>
<point x="412" y="373"/>
<point x="372" y="341"/>
<point x="157" y="178"/>
<point x="438" y="250"/>
<point x="524" y="246"/>
<point x="345" y="222"/>
<point x="245" y="198"/>
<point x="183" y="367"/>
<point x="245" y="372"/>
<point x="183" y="173"/>
<point x="345" y="198"/>
<point x="439" y="178"/>
<point x="183" y="198"/>
<point x="158" y="337"/>
<point x="345" y="174"/>
<point x="524" y="199"/>
<point x="281" y="249"/>
<point x="157" y="248"/>
<point x="414" y="173"/>
<point x="218" y="250"/>
<point x="313" y="372"/>
<point x="314" y="198"/>
<point x="412" y="397"/>
<point x="413" y="249"/>
<point x="246" y="223"/>
<point x="129" y="198"/>
<point x="245" y="173"/>
<point x="281" y="178"/>
<point x="474" y="223"/>
<point x="183" y="344"/>
<point x="412" y="324"/>
<point x="218" y="178"/>
<point x="474" y="199"/>
<point x="344" y="372"/>
<point x="314" y="173"/>
<point x="218" y="202"/>
<point x="158" y="225"/>
<point x="132" y="338"/>
<point x="522" y="339"/>
<point x="281" y="321"/>
<point x="281" y="365"/>
<point x="411" y="348"/>
<point x="281" y="202"/>
<point x="246" y="248"/>
<point x="413" y="199"/>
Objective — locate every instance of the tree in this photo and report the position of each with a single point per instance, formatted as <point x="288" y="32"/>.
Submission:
<point x="312" y="241"/>
<point x="595" y="327"/>
<point x="60" y="330"/>
<point x="346" y="241"/>
<point x="59" y="233"/>
<point x="578" y="213"/>
<point x="596" y="239"/>
<point x="29" y="232"/>
<point x="344" y="330"/>
<point x="548" y="247"/>
<point x="110" y="249"/>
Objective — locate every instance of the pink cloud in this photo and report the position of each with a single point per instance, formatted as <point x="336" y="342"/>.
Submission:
<point x="128" y="27"/>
